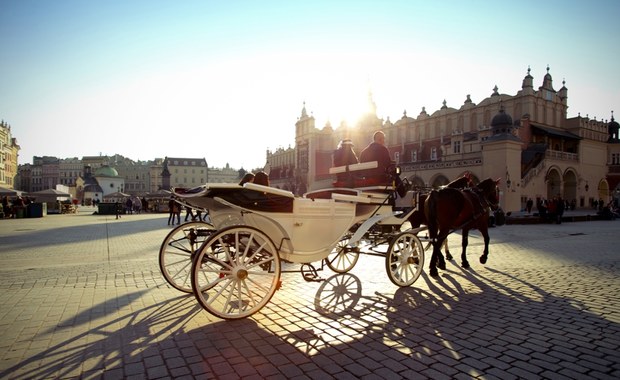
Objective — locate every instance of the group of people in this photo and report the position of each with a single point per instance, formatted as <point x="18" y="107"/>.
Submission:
<point x="260" y="178"/>
<point x="611" y="211"/>
<point x="135" y="205"/>
<point x="174" y="212"/>
<point x="542" y="204"/>
<point x="8" y="207"/>
<point x="551" y="210"/>
<point x="375" y="151"/>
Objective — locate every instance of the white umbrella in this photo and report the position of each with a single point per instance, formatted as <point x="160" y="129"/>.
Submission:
<point x="10" y="192"/>
<point x="116" y="194"/>
<point x="51" y="192"/>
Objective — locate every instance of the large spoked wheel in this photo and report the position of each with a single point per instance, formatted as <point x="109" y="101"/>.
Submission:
<point x="177" y="251"/>
<point x="342" y="258"/>
<point x="405" y="259"/>
<point x="236" y="272"/>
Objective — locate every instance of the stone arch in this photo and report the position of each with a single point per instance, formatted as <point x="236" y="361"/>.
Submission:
<point x="553" y="180"/>
<point x="569" y="181"/>
<point x="439" y="180"/>
<point x="603" y="190"/>
<point x="473" y="177"/>
<point x="416" y="182"/>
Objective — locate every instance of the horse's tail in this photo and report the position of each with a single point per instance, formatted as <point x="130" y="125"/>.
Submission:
<point x="430" y="212"/>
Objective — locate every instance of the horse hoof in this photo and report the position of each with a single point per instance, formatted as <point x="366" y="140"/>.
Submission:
<point x="465" y="264"/>
<point x="483" y="259"/>
<point x="434" y="273"/>
<point x="448" y="256"/>
<point x="441" y="266"/>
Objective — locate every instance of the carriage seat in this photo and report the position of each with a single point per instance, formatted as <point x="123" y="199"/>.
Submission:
<point x="327" y="193"/>
<point x="268" y="190"/>
<point x="349" y="195"/>
<point x="355" y="177"/>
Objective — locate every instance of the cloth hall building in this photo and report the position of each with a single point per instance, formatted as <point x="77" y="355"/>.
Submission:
<point x="525" y="139"/>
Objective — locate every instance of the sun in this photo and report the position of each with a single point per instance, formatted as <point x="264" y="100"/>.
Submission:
<point x="346" y="106"/>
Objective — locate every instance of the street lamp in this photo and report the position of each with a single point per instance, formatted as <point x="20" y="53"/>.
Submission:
<point x="508" y="182"/>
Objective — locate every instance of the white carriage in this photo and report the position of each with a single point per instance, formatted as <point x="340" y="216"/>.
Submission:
<point x="233" y="264"/>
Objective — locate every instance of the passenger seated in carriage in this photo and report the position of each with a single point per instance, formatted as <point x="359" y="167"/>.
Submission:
<point x="248" y="177"/>
<point x="383" y="174"/>
<point x="261" y="178"/>
<point x="344" y="156"/>
<point x="376" y="151"/>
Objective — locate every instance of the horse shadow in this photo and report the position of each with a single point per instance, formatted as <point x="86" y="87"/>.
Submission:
<point x="473" y="323"/>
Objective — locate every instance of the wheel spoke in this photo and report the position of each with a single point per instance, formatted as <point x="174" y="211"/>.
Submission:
<point x="404" y="259"/>
<point x="177" y="251"/>
<point x="246" y="268"/>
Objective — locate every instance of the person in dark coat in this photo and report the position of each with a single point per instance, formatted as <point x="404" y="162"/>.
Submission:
<point x="345" y="155"/>
<point x="376" y="151"/>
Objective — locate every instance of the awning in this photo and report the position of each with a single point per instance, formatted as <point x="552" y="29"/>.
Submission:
<point x="556" y="132"/>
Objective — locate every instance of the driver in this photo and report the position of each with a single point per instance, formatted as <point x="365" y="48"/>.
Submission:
<point x="376" y="151"/>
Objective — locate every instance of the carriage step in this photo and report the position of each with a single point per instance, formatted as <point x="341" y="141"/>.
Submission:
<point x="310" y="274"/>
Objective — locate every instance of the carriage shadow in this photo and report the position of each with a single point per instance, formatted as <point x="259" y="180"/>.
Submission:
<point x="465" y="323"/>
<point x="471" y="323"/>
<point x="124" y="336"/>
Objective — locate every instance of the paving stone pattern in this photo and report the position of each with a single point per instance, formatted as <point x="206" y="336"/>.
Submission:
<point x="82" y="297"/>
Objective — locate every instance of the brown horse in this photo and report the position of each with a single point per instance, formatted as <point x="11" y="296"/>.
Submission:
<point x="449" y="209"/>
<point x="418" y="217"/>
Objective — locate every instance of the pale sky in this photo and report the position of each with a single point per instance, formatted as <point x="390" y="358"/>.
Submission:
<point x="226" y="80"/>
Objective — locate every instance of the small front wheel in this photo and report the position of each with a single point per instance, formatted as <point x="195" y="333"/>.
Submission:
<point x="342" y="258"/>
<point x="236" y="272"/>
<point x="177" y="251"/>
<point x="405" y="259"/>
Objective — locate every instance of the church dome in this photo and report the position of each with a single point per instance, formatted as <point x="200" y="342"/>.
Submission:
<point x="501" y="119"/>
<point x="106" y="171"/>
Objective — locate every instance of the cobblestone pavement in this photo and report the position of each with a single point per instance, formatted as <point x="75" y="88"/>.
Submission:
<point x="82" y="297"/>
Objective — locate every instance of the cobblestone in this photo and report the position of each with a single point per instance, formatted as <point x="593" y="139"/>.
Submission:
<point x="83" y="296"/>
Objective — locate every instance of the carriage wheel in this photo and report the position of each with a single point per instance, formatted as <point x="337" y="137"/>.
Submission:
<point x="405" y="259"/>
<point x="342" y="258"/>
<point x="236" y="272"/>
<point x="178" y="249"/>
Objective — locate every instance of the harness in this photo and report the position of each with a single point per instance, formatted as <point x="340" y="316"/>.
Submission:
<point x="483" y="202"/>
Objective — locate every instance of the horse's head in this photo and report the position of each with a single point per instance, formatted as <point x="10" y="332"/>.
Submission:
<point x="470" y="180"/>
<point x="461" y="182"/>
<point x="489" y="188"/>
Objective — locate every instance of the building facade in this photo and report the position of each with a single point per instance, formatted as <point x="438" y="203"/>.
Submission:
<point x="223" y="175"/>
<point x="9" y="151"/>
<point x="526" y="140"/>
<point x="69" y="170"/>
<point x="184" y="172"/>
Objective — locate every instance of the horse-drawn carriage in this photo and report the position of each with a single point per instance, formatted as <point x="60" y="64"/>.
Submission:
<point x="233" y="263"/>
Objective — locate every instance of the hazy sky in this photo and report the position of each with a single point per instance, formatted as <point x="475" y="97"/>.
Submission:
<point x="226" y="80"/>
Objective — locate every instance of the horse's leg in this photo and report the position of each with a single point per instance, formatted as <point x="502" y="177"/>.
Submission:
<point x="465" y="241"/>
<point x="433" y="262"/>
<point x="485" y="253"/>
<point x="441" y="263"/>
<point x="445" y="246"/>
